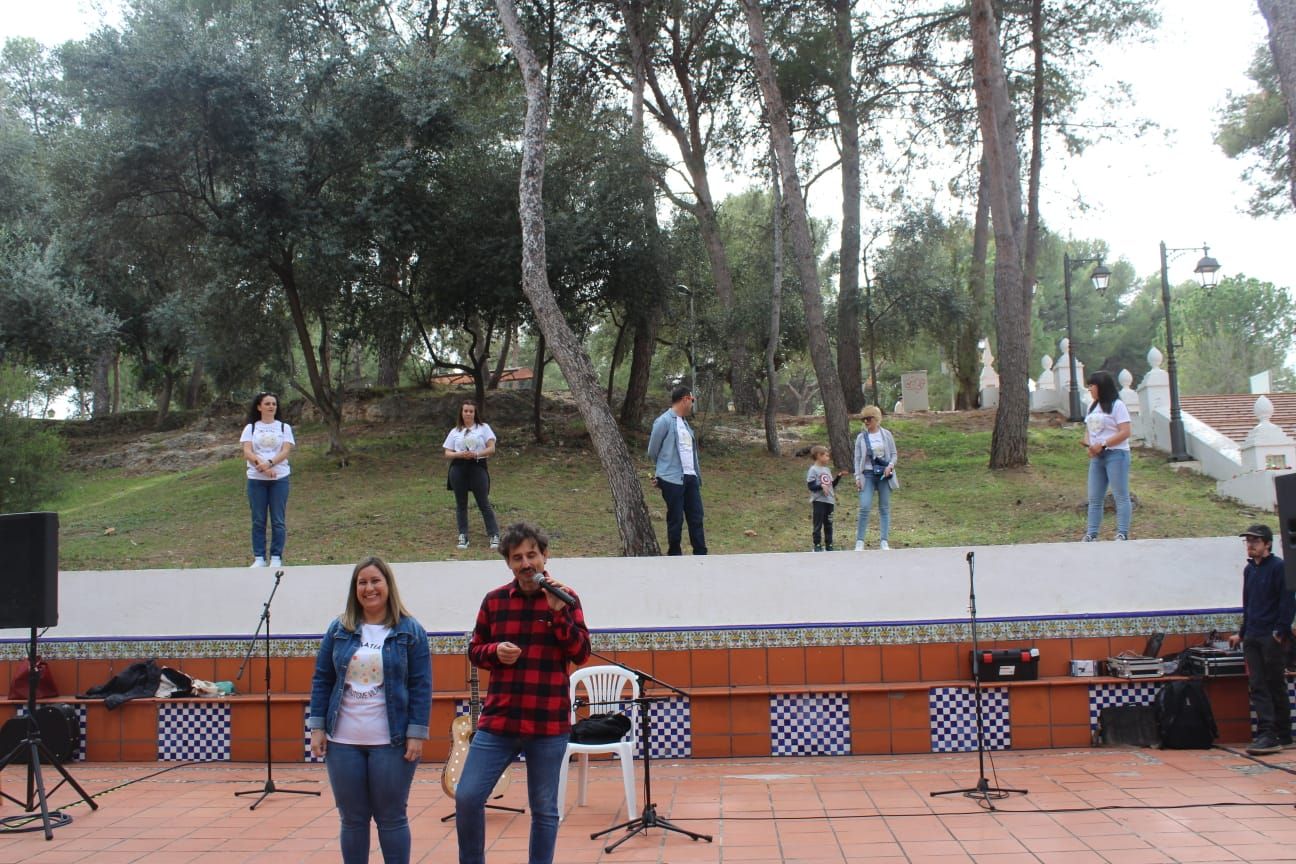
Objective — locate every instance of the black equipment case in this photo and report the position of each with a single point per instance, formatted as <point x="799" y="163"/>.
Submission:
<point x="1212" y="663"/>
<point x="1007" y="664"/>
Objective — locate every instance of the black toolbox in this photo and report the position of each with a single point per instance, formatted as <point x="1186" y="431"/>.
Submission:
<point x="1007" y="664"/>
<point x="1212" y="662"/>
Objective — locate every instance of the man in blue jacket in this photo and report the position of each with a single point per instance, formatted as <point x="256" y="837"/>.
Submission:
<point x="673" y="449"/>
<point x="1267" y="610"/>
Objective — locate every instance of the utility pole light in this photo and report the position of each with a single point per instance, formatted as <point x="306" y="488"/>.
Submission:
<point x="1099" y="277"/>
<point x="1207" y="270"/>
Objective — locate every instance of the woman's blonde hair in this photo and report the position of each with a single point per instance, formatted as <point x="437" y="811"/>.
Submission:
<point x="871" y="411"/>
<point x="353" y="615"/>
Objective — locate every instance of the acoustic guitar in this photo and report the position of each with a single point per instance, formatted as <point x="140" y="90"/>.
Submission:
<point x="462" y="729"/>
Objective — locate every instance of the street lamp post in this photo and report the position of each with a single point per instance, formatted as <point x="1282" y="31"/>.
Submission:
<point x="1100" y="277"/>
<point x="1206" y="268"/>
<point x="684" y="289"/>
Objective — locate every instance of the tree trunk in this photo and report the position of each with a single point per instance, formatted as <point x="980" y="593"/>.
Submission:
<point x="618" y="349"/>
<point x="776" y="310"/>
<point x="100" y="389"/>
<point x="966" y="357"/>
<point x="870" y="338"/>
<point x="164" y="397"/>
<point x="830" y="389"/>
<point x="391" y="349"/>
<point x="194" y="391"/>
<point x="692" y="140"/>
<point x="537" y="389"/>
<point x="323" y="396"/>
<point x="1012" y="295"/>
<point x="848" y="296"/>
<point x="1031" y="252"/>
<point x="502" y="364"/>
<point x="1280" y="15"/>
<point x="645" y="317"/>
<point x="631" y="511"/>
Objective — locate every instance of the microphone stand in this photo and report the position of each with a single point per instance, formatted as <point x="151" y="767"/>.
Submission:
<point x="649" y="818"/>
<point x="982" y="791"/>
<point x="269" y="786"/>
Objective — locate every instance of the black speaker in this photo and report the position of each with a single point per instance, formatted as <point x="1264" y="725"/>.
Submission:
<point x="1285" y="486"/>
<point x="28" y="569"/>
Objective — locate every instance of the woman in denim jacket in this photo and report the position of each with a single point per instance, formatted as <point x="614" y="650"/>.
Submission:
<point x="370" y="702"/>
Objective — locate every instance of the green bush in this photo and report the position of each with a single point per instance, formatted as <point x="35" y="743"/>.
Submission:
<point x="29" y="464"/>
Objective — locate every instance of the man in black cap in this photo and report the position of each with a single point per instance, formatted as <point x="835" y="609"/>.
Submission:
<point x="1267" y="610"/>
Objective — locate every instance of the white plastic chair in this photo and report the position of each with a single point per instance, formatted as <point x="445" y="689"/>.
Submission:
<point x="604" y="686"/>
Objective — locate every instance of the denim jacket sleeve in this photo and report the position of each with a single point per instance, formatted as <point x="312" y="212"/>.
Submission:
<point x="324" y="679"/>
<point x="419" y="683"/>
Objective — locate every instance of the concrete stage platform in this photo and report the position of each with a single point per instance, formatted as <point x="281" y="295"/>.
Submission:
<point x="783" y="654"/>
<point x="1093" y="806"/>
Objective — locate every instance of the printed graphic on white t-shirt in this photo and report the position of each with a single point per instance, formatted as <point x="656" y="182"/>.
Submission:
<point x="684" y="439"/>
<point x="363" y="715"/>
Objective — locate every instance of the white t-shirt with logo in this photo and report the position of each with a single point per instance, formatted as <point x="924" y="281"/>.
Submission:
<point x="1102" y="425"/>
<point x="684" y="440"/>
<point x="474" y="438"/>
<point x="362" y="718"/>
<point x="267" y="439"/>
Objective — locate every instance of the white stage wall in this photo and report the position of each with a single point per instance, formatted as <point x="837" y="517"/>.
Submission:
<point x="902" y="585"/>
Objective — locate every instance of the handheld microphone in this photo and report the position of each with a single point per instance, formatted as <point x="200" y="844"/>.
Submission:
<point x="543" y="582"/>
<point x="971" y="555"/>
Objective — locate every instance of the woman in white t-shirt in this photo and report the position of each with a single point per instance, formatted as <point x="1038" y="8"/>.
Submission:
<point x="267" y="441"/>
<point x="371" y="698"/>
<point x="470" y="443"/>
<point x="1106" y="437"/>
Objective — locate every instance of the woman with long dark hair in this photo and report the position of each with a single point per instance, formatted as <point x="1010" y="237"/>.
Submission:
<point x="470" y="443"/>
<point x="1106" y="436"/>
<point x="267" y="441"/>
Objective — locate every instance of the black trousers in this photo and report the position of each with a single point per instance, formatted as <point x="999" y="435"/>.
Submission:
<point x="468" y="477"/>
<point x="683" y="504"/>
<point x="821" y="516"/>
<point x="1265" y="664"/>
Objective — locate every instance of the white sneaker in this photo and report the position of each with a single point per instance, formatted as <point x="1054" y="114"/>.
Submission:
<point x="884" y="545"/>
<point x="494" y="541"/>
<point x="276" y="561"/>
<point x="463" y="542"/>
<point x="859" y="545"/>
<point x="258" y="562"/>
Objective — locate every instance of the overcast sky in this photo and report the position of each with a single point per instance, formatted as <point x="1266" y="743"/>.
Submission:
<point x="1173" y="184"/>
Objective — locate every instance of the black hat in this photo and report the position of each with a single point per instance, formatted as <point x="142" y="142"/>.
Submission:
<point x="1258" y="530"/>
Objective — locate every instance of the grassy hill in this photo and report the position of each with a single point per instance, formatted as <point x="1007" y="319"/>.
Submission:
<point x="391" y="500"/>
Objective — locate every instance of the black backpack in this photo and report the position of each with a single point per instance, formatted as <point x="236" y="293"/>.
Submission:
<point x="1184" y="716"/>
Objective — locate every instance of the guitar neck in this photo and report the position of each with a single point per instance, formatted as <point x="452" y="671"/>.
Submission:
<point x="474" y="697"/>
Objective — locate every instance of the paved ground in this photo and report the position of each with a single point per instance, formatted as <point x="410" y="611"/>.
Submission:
<point x="1102" y="805"/>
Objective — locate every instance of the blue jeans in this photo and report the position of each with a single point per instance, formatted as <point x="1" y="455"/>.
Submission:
<point x="371" y="783"/>
<point x="683" y="502"/>
<point x="488" y="756"/>
<point x="268" y="496"/>
<point x="1109" y="468"/>
<point x="883" y="487"/>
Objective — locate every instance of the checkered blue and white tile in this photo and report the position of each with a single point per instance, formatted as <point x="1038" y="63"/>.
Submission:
<point x="803" y="724"/>
<point x="79" y="754"/>
<point x="307" y="756"/>
<point x="953" y="719"/>
<point x="671" y="725"/>
<point x="1106" y="695"/>
<point x="193" y="731"/>
<point x="1291" y="698"/>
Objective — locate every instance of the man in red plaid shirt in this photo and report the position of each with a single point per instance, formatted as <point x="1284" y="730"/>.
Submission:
<point x="528" y="639"/>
